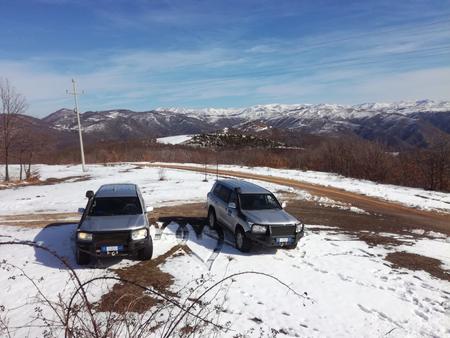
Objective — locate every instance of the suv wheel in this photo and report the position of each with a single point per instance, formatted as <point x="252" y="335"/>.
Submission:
<point x="81" y="257"/>
<point x="243" y="243"/>
<point x="146" y="253"/>
<point x="212" y="220"/>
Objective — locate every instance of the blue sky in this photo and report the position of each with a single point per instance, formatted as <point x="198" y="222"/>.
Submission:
<point x="146" y="54"/>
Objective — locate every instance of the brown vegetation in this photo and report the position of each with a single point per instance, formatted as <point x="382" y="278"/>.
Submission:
<point x="418" y="262"/>
<point x="125" y="297"/>
<point x="349" y="156"/>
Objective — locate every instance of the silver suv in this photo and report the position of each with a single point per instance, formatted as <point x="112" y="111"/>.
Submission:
<point x="252" y="213"/>
<point x="114" y="223"/>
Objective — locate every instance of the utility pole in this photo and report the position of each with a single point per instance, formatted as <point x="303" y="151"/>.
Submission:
<point x="75" y="95"/>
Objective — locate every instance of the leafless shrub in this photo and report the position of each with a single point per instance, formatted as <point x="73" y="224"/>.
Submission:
<point x="4" y="324"/>
<point x="77" y="316"/>
<point x="162" y="174"/>
<point x="33" y="176"/>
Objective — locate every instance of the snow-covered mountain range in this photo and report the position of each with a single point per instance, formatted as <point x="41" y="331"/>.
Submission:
<point x="411" y="123"/>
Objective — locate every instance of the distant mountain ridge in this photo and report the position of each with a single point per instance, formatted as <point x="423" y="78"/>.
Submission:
<point x="396" y="124"/>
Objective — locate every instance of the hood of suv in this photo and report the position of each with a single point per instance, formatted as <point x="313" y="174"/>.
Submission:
<point x="270" y="216"/>
<point x="113" y="223"/>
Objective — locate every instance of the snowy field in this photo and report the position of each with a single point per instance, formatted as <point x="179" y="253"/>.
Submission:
<point x="345" y="288"/>
<point x="351" y="291"/>
<point x="177" y="186"/>
<point x="412" y="197"/>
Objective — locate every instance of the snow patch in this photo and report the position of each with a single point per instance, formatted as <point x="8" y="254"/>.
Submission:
<point x="178" y="139"/>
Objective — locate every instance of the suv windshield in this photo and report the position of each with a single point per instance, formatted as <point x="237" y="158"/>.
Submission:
<point x="111" y="206"/>
<point x="258" y="202"/>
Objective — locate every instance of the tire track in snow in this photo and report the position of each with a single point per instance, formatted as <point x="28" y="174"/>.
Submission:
<point x="182" y="234"/>
<point x="221" y="239"/>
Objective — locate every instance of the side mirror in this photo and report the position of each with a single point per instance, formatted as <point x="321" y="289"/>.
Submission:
<point x="149" y="209"/>
<point x="284" y="205"/>
<point x="89" y="194"/>
<point x="232" y="205"/>
<point x="81" y="211"/>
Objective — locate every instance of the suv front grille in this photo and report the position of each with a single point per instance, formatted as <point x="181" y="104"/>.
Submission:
<point x="111" y="238"/>
<point x="282" y="230"/>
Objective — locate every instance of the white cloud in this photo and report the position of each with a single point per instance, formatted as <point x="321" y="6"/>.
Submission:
<point x="366" y="67"/>
<point x="431" y="83"/>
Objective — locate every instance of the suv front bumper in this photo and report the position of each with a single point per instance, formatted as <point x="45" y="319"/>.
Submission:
<point x="276" y="241"/>
<point x="102" y="243"/>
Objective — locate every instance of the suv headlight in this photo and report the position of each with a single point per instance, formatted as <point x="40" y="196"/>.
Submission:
<point x="84" y="236"/>
<point x="259" y="229"/>
<point x="299" y="226"/>
<point x="138" y="234"/>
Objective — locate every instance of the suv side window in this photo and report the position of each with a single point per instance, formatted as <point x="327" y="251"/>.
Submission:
<point x="233" y="198"/>
<point x="224" y="193"/>
<point x="216" y="190"/>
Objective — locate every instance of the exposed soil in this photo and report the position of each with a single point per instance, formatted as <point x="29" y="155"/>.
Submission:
<point x="413" y="261"/>
<point x="366" y="227"/>
<point x="124" y="297"/>
<point x="48" y="181"/>
<point x="187" y="330"/>
<point x="189" y="212"/>
<point x="52" y="180"/>
<point x="40" y="220"/>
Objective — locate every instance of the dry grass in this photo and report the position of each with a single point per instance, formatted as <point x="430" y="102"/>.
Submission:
<point x="48" y="181"/>
<point x="416" y="262"/>
<point x="125" y="297"/>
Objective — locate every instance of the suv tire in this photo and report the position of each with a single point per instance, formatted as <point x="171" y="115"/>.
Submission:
<point x="212" y="219"/>
<point x="243" y="243"/>
<point x="146" y="253"/>
<point x="81" y="257"/>
<point x="291" y="247"/>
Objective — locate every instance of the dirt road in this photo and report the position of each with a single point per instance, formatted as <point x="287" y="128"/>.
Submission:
<point x="398" y="214"/>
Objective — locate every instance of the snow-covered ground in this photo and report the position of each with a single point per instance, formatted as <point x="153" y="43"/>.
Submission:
<point x="348" y="288"/>
<point x="19" y="296"/>
<point x="177" y="186"/>
<point x="351" y="290"/>
<point x="174" y="139"/>
<point x="69" y="196"/>
<point x="413" y="197"/>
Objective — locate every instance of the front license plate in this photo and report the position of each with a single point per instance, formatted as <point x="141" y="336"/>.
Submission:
<point x="283" y="240"/>
<point x="110" y="249"/>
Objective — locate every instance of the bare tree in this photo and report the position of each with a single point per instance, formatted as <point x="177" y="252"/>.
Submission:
<point x="26" y="144"/>
<point x="11" y="104"/>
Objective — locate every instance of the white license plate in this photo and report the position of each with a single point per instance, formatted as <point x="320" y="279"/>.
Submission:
<point x="112" y="248"/>
<point x="283" y="240"/>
